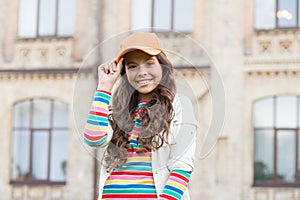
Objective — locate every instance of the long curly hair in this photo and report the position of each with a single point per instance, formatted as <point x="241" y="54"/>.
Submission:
<point x="156" y="116"/>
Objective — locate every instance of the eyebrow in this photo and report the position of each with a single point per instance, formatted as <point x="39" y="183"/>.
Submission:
<point x="131" y="62"/>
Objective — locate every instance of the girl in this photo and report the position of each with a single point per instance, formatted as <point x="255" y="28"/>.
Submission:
<point x="147" y="130"/>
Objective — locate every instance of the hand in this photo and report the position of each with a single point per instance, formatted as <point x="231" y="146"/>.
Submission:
<point x="108" y="74"/>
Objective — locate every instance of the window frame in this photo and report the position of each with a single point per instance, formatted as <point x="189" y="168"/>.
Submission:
<point x="274" y="182"/>
<point x="31" y="129"/>
<point x="37" y="34"/>
<point x="277" y="20"/>
<point x="161" y="30"/>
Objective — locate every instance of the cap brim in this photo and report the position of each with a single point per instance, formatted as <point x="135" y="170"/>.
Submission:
<point x="147" y="50"/>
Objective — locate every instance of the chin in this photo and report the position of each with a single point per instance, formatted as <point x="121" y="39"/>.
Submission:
<point x="144" y="91"/>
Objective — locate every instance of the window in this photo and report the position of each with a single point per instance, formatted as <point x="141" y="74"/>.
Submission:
<point x="175" y="15"/>
<point x="277" y="152"/>
<point x="276" y="14"/>
<point x="40" y="138"/>
<point x="46" y="18"/>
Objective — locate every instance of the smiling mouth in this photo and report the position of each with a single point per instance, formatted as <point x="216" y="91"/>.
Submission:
<point x="144" y="82"/>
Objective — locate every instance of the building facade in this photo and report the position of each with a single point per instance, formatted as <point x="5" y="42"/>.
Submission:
<point x="239" y="62"/>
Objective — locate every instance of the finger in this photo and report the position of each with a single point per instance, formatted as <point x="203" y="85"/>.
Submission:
<point x="105" y="69"/>
<point x="101" y="69"/>
<point x="112" y="67"/>
<point x="108" y="68"/>
<point x="120" y="65"/>
<point x="115" y="66"/>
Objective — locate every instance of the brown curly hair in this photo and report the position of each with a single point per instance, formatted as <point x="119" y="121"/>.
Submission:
<point x="156" y="116"/>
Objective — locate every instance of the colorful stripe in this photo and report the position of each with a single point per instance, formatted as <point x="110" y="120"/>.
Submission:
<point x="176" y="185"/>
<point x="134" y="180"/>
<point x="129" y="196"/>
<point x="96" y="127"/>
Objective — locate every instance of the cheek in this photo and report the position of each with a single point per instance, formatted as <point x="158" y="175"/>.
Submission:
<point x="130" y="77"/>
<point x="159" y="73"/>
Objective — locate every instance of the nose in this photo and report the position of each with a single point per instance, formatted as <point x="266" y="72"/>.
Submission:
<point x="142" y="71"/>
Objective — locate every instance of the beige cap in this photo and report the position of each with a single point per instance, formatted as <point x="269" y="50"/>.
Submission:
<point x="146" y="42"/>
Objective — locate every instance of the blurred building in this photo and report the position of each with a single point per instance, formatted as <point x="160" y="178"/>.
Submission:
<point x="50" y="50"/>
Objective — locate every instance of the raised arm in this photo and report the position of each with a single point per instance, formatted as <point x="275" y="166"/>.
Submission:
<point x="97" y="125"/>
<point x="97" y="131"/>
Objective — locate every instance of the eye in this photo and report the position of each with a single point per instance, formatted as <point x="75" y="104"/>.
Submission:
<point x="150" y="63"/>
<point x="131" y="66"/>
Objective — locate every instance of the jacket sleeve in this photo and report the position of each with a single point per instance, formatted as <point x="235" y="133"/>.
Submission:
<point x="97" y="131"/>
<point x="182" y="148"/>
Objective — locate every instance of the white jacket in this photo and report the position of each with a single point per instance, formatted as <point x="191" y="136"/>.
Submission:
<point x="179" y="155"/>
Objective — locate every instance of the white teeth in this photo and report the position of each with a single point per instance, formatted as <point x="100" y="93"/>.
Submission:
<point x="144" y="82"/>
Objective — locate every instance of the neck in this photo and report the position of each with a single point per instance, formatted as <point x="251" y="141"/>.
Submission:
<point x="147" y="96"/>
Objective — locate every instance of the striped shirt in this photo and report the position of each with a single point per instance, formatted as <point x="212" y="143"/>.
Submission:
<point x="134" y="180"/>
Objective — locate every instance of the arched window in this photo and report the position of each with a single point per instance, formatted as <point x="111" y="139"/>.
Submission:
<point x="40" y="141"/>
<point x="276" y="144"/>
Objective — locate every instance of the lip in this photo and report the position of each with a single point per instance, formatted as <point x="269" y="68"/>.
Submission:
<point x="144" y="82"/>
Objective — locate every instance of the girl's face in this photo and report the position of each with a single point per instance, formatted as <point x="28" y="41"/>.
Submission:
<point x="143" y="72"/>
